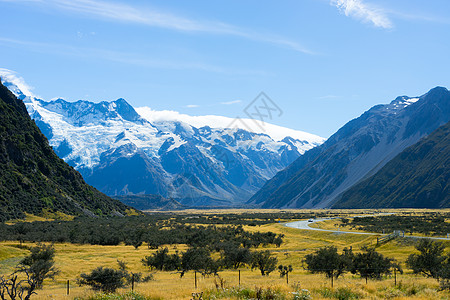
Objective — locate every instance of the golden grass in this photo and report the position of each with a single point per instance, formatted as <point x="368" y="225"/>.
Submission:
<point x="73" y="259"/>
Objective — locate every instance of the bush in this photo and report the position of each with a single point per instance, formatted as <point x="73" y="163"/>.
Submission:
<point x="104" y="279"/>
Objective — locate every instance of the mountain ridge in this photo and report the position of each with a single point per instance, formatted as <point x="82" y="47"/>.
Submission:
<point x="357" y="150"/>
<point x="418" y="177"/>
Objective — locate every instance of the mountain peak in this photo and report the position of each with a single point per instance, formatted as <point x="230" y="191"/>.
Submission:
<point x="437" y="91"/>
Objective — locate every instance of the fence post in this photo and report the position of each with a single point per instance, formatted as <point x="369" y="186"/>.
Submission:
<point x="195" y="279"/>
<point x="132" y="282"/>
<point x="287" y="278"/>
<point x="239" y="277"/>
<point x="68" y="287"/>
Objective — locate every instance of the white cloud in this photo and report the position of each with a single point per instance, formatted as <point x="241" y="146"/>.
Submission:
<point x="231" y="102"/>
<point x="213" y="121"/>
<point x="122" y="12"/>
<point x="364" y="12"/>
<point x="192" y="105"/>
<point x="11" y="76"/>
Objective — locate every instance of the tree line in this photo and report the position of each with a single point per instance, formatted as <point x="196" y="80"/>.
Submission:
<point x="135" y="231"/>
<point x="430" y="224"/>
<point x="430" y="261"/>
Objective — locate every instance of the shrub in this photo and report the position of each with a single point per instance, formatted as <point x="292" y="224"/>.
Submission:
<point x="104" y="279"/>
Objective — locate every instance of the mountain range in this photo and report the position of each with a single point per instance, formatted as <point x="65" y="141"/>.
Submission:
<point x="120" y="152"/>
<point x="149" y="158"/>
<point x="34" y="180"/>
<point x="357" y="151"/>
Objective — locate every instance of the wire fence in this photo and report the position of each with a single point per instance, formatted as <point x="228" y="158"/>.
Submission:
<point x="69" y="289"/>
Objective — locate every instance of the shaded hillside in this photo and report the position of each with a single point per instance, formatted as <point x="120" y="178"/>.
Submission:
<point x="358" y="150"/>
<point x="418" y="177"/>
<point x="32" y="177"/>
<point x="147" y="202"/>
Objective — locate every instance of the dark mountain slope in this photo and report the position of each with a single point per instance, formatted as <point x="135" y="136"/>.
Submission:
<point x="150" y="202"/>
<point x="32" y="177"/>
<point x="356" y="151"/>
<point x="419" y="177"/>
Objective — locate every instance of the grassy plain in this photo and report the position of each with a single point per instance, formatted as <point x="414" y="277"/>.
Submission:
<point x="73" y="259"/>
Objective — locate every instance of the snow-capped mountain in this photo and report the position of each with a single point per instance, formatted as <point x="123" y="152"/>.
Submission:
<point x="357" y="151"/>
<point x="120" y="152"/>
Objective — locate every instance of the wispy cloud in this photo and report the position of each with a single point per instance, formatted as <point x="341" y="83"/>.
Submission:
<point x="328" y="97"/>
<point x="365" y="12"/>
<point x="125" y="58"/>
<point x="231" y="102"/>
<point x="13" y="77"/>
<point x="128" y="13"/>
<point x="192" y="105"/>
<point x="422" y="16"/>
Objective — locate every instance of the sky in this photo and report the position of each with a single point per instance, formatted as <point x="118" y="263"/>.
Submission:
<point x="320" y="62"/>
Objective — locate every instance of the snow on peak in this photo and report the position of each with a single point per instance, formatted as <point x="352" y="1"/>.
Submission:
<point x="15" y="83"/>
<point x="276" y="132"/>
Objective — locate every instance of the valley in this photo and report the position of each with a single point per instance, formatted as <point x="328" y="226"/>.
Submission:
<point x="74" y="259"/>
<point x="207" y="150"/>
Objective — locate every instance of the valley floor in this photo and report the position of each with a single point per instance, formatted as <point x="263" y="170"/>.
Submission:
<point x="73" y="259"/>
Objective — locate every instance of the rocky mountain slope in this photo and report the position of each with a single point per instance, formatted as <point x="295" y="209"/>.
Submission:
<point x="121" y="153"/>
<point x="355" y="152"/>
<point x="33" y="179"/>
<point x="418" y="177"/>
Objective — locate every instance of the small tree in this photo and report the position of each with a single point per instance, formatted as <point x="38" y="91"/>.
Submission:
<point x="36" y="267"/>
<point x="39" y="264"/>
<point x="284" y="270"/>
<point x="233" y="256"/>
<point x="327" y="261"/>
<point x="444" y="274"/>
<point x="264" y="261"/>
<point x="104" y="279"/>
<point x="371" y="264"/>
<point x="198" y="259"/>
<point x="163" y="261"/>
<point x="430" y="259"/>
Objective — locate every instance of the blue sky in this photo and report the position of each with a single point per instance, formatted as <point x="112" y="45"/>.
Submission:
<point x="322" y="62"/>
